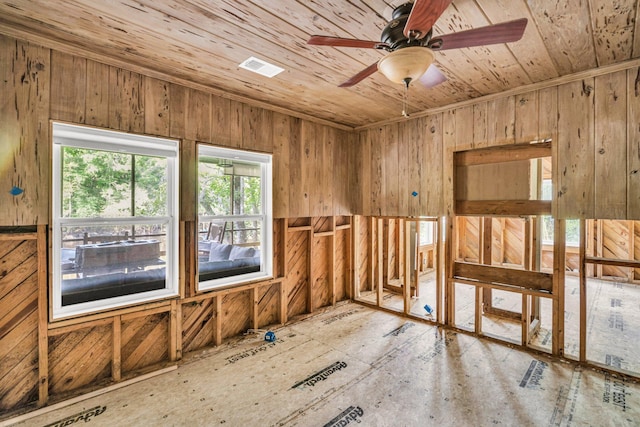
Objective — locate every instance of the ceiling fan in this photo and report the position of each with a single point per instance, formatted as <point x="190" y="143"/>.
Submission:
<point x="408" y="38"/>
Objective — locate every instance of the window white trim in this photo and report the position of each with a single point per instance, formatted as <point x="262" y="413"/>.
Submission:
<point x="108" y="140"/>
<point x="266" y="230"/>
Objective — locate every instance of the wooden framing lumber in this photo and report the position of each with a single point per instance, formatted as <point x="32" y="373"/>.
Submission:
<point x="506" y="276"/>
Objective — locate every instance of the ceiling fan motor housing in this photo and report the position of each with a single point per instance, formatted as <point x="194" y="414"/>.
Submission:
<point x="393" y="32"/>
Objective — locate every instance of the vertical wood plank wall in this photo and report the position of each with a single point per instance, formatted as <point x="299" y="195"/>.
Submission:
<point x="41" y="362"/>
<point x="594" y="125"/>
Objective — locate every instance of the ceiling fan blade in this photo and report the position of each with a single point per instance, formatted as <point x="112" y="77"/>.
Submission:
<point x="342" y="42"/>
<point x="423" y="15"/>
<point x="505" y="32"/>
<point x="432" y="77"/>
<point x="361" y="75"/>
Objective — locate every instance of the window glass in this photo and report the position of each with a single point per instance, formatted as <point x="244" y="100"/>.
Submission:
<point x="234" y="234"/>
<point x="426" y="233"/>
<point x="115" y="204"/>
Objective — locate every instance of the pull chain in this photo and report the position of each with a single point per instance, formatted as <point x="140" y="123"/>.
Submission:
<point x="405" y="97"/>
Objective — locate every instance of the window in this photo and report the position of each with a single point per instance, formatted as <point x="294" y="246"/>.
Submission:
<point x="115" y="210"/>
<point x="235" y="222"/>
<point x="426" y="233"/>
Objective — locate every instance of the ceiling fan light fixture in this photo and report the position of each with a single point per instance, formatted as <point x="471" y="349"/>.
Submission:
<point x="406" y="63"/>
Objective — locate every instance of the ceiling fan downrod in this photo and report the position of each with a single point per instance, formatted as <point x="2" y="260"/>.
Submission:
<point x="405" y="97"/>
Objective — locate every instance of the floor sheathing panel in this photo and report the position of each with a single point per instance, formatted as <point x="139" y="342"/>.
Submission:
<point x="353" y="364"/>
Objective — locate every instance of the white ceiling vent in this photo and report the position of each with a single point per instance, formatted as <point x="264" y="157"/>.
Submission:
<point x="261" y="67"/>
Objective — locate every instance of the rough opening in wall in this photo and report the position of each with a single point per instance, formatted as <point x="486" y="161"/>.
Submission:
<point x="399" y="265"/>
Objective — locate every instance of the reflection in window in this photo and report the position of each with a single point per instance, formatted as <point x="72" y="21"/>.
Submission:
<point x="234" y="235"/>
<point x="115" y="204"/>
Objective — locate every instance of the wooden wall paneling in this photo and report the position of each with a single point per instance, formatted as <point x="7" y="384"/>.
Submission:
<point x="413" y="161"/>
<point x="43" y="316"/>
<point x="236" y="313"/>
<point x="300" y="168"/>
<point x="126" y="100"/>
<point x="480" y="125"/>
<point x="365" y="158"/>
<point x="19" y="328"/>
<point x="432" y="184"/>
<point x="615" y="245"/>
<point x="328" y="171"/>
<point x="448" y="148"/>
<point x="80" y="358"/>
<point x="633" y="143"/>
<point x="297" y="275"/>
<point x="610" y="146"/>
<point x="464" y="128"/>
<point x="281" y="162"/>
<point x="576" y="155"/>
<point x="548" y="130"/>
<point x="526" y="116"/>
<point x="321" y="289"/>
<point x="97" y="94"/>
<point x="377" y="171"/>
<point x="198" y="116"/>
<point x="145" y="340"/>
<point x="268" y="302"/>
<point x="236" y="127"/>
<point x="24" y="114"/>
<point x="157" y="119"/>
<point x="68" y="87"/>
<point x="343" y="167"/>
<point x="198" y="324"/>
<point x="221" y="121"/>
<point x="405" y="180"/>
<point x="390" y="196"/>
<point x="178" y="96"/>
<point x="548" y="114"/>
<point x="256" y="131"/>
<point x="501" y="121"/>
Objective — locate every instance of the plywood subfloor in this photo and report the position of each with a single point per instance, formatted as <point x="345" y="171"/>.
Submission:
<point x="356" y="364"/>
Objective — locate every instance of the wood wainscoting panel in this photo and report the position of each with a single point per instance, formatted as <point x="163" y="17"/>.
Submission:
<point x="198" y="325"/>
<point x="236" y="313"/>
<point x="297" y="279"/>
<point x="79" y="358"/>
<point x="268" y="299"/>
<point x="320" y="273"/>
<point x="145" y="341"/>
<point x="18" y="323"/>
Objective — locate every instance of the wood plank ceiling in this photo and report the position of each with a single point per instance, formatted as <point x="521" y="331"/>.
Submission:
<point x="203" y="41"/>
